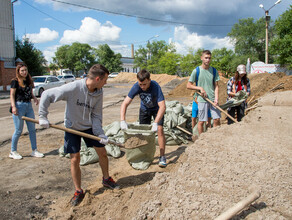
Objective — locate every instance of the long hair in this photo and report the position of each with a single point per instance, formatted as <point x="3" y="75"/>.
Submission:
<point x="236" y="78"/>
<point x="18" y="77"/>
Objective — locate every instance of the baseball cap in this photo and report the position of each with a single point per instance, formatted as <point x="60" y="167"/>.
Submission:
<point x="241" y="69"/>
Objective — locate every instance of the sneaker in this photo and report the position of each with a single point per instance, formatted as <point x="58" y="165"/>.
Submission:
<point x="110" y="183"/>
<point x="35" y="153"/>
<point x="77" y="198"/>
<point x="15" y="155"/>
<point x="162" y="161"/>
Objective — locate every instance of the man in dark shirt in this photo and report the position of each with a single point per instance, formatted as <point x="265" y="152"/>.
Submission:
<point x="152" y="105"/>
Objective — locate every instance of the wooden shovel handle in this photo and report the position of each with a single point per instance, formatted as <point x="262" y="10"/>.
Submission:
<point x="72" y="131"/>
<point x="216" y="106"/>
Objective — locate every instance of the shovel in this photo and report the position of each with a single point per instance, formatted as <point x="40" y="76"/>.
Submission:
<point x="133" y="142"/>
<point x="216" y="106"/>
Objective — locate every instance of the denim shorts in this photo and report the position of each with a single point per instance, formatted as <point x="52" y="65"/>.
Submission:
<point x="72" y="142"/>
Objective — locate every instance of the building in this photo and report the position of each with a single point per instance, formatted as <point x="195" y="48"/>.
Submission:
<point x="128" y="65"/>
<point x="7" y="45"/>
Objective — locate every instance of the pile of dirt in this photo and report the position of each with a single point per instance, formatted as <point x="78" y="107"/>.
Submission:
<point x="260" y="84"/>
<point x="212" y="175"/>
<point x="162" y="79"/>
<point x="181" y="90"/>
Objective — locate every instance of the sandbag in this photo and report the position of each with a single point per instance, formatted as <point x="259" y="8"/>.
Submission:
<point x="140" y="158"/>
<point x="235" y="101"/>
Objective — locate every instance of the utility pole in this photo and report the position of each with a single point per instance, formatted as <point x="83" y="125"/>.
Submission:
<point x="268" y="17"/>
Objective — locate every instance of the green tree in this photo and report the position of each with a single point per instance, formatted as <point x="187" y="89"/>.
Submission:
<point x="169" y="63"/>
<point x="76" y="57"/>
<point x="31" y="56"/>
<point x="53" y="67"/>
<point x="248" y="37"/>
<point x="190" y="61"/>
<point x="149" y="57"/>
<point x="106" y="56"/>
<point x="187" y="64"/>
<point x="61" y="57"/>
<point x="281" y="44"/>
<point x="222" y="60"/>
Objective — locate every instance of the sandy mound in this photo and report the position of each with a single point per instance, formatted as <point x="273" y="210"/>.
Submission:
<point x="181" y="90"/>
<point x="162" y="79"/>
<point x="223" y="166"/>
<point x="261" y="84"/>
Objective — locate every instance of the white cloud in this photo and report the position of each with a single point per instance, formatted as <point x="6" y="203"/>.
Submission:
<point x="124" y="50"/>
<point x="184" y="41"/>
<point x="49" y="53"/>
<point x="92" y="31"/>
<point x="45" y="35"/>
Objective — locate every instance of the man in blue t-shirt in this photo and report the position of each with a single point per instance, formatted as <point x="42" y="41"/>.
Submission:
<point x="152" y="105"/>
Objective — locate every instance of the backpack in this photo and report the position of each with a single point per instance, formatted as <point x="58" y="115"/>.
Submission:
<point x="198" y="74"/>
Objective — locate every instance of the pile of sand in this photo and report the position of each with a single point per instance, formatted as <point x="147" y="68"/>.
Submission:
<point x="181" y="90"/>
<point x="162" y="79"/>
<point x="260" y="84"/>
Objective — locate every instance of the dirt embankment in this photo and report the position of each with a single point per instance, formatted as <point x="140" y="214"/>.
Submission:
<point x="260" y="84"/>
<point x="162" y="79"/>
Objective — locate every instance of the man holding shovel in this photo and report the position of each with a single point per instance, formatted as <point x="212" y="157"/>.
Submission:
<point x="207" y="84"/>
<point x="84" y="99"/>
<point x="152" y="105"/>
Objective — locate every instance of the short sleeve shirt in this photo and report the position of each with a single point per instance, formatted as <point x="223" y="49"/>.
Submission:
<point x="150" y="97"/>
<point x="206" y="81"/>
<point x="22" y="94"/>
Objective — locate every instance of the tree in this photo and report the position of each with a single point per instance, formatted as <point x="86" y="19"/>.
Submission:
<point x="76" y="57"/>
<point x="248" y="37"/>
<point x="281" y="44"/>
<point x="169" y="63"/>
<point x="106" y="56"/>
<point x="190" y="61"/>
<point x="222" y="60"/>
<point x="149" y="57"/>
<point x="31" y="56"/>
<point x="53" y="67"/>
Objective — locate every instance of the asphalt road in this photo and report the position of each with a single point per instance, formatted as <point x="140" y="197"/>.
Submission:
<point x="114" y="94"/>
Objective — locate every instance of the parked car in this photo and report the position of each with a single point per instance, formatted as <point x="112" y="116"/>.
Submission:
<point x="113" y="75"/>
<point x="67" y="78"/>
<point x="42" y="83"/>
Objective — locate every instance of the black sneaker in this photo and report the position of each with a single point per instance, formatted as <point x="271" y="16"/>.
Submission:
<point x="77" y="198"/>
<point x="110" y="183"/>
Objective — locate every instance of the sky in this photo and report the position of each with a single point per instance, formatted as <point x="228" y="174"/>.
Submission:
<point x="189" y="24"/>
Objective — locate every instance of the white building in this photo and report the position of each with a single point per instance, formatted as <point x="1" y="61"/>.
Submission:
<point x="128" y="65"/>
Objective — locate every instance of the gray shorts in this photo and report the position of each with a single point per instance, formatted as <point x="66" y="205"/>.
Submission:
<point x="203" y="108"/>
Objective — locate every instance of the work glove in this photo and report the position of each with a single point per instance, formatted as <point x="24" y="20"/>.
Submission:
<point x="44" y="122"/>
<point x="124" y="125"/>
<point x="154" y="127"/>
<point x="103" y="139"/>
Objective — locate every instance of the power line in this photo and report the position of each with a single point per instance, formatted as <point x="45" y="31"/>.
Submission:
<point x="145" y="18"/>
<point x="60" y="21"/>
<point x="49" y="15"/>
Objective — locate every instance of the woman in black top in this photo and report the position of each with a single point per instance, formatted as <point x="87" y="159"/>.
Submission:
<point x="20" y="98"/>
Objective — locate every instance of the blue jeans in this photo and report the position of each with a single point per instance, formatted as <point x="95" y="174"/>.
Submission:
<point x="24" y="109"/>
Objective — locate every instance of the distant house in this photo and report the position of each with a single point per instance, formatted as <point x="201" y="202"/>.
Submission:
<point x="128" y="65"/>
<point x="7" y="45"/>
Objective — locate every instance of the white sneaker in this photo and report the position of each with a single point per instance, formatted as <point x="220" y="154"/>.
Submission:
<point x="15" y="155"/>
<point x="35" y="153"/>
